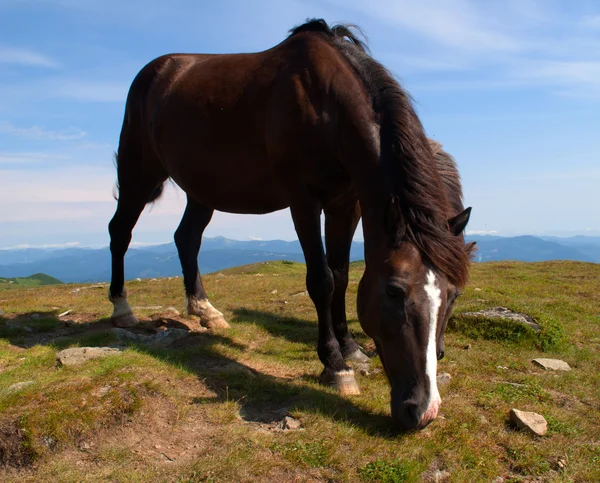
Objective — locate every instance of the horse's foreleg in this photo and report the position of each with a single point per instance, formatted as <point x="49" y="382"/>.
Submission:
<point x="188" y="239"/>
<point x="320" y="285"/>
<point x="340" y="225"/>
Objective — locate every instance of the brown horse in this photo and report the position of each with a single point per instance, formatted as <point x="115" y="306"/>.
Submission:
<point x="313" y="124"/>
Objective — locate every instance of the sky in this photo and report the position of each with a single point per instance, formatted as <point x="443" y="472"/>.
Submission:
<point x="510" y="88"/>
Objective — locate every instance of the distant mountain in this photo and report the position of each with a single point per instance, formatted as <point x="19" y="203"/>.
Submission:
<point x="530" y="249"/>
<point x="93" y="265"/>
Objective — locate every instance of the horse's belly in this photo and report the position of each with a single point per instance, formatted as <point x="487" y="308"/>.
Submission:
<point x="224" y="190"/>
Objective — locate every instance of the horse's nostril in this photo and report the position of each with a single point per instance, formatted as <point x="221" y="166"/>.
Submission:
<point x="411" y="414"/>
<point x="440" y="355"/>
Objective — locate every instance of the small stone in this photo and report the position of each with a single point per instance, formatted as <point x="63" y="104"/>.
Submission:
<point x="533" y="422"/>
<point x="75" y="290"/>
<point x="172" y="311"/>
<point x="159" y="339"/>
<point x="16" y="325"/>
<point x="34" y="316"/>
<point x="440" y="476"/>
<point x="66" y="312"/>
<point x="138" y="279"/>
<point x="467" y="347"/>
<point x="273" y="292"/>
<point x="443" y="378"/>
<point x="101" y="391"/>
<point x="79" y="355"/>
<point x="552" y="364"/>
<point x="477" y="289"/>
<point x="363" y="368"/>
<point x="17" y="386"/>
<point x="502" y="367"/>
<point x="290" y="423"/>
<point x="84" y="446"/>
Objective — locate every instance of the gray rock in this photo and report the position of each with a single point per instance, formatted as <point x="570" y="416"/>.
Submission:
<point x="79" y="355"/>
<point x="17" y="386"/>
<point x="160" y="339"/>
<point x="11" y="324"/>
<point x="273" y="292"/>
<point x="288" y="423"/>
<point x="507" y="314"/>
<point x="34" y="316"/>
<point x="440" y="476"/>
<point x="172" y="311"/>
<point x="552" y="364"/>
<point x="533" y="422"/>
<point x="443" y="378"/>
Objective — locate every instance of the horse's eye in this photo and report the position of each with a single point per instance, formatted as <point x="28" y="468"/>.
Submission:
<point x="394" y="291"/>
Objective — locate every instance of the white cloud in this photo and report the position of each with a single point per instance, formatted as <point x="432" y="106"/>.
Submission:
<point x="39" y="133"/>
<point x="19" y="56"/>
<point x="481" y="232"/>
<point x="28" y="158"/>
<point x="51" y="245"/>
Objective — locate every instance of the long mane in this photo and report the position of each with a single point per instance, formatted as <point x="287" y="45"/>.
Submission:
<point x="406" y="155"/>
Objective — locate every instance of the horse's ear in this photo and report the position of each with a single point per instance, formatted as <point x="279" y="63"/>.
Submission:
<point x="393" y="218"/>
<point x="458" y="223"/>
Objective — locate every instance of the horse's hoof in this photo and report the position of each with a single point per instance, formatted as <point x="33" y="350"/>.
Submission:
<point x="124" y="320"/>
<point x="357" y="356"/>
<point x="342" y="381"/>
<point x="216" y="322"/>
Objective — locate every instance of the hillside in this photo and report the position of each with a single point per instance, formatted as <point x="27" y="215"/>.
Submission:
<point x="209" y="407"/>
<point x="36" y="279"/>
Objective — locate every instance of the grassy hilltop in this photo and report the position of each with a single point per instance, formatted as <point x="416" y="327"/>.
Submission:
<point x="208" y="407"/>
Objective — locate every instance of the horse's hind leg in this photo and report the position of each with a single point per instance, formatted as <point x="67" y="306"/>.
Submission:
<point x="340" y="225"/>
<point x="135" y="190"/>
<point x="188" y="239"/>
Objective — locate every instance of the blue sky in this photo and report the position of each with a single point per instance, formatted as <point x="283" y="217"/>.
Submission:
<point x="510" y="88"/>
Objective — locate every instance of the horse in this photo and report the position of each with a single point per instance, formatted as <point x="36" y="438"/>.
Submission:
<point x="317" y="125"/>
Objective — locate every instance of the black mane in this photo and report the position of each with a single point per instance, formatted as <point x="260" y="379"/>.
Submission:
<point x="407" y="155"/>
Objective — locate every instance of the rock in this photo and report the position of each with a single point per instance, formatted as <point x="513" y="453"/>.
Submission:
<point x="1" y="313"/>
<point x="477" y="289"/>
<point x="66" y="312"/>
<point x="138" y="279"/>
<point x="220" y="275"/>
<point x="289" y="423"/>
<point x="17" y="386"/>
<point x="363" y="368"/>
<point x="79" y="355"/>
<point x="304" y="293"/>
<point x="11" y="324"/>
<point x="552" y="364"/>
<point x="75" y="290"/>
<point x="273" y="292"/>
<point x="440" y="476"/>
<point x="101" y="391"/>
<point x="34" y="316"/>
<point x="467" y="347"/>
<point x="443" y="378"/>
<point x="507" y="314"/>
<point x="147" y="307"/>
<point x="172" y="311"/>
<point x="533" y="422"/>
<point x="160" y="339"/>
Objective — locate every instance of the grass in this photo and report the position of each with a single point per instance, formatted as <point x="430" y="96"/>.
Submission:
<point x="206" y="410"/>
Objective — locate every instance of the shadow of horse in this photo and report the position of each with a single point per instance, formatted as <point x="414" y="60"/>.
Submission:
<point x="263" y="398"/>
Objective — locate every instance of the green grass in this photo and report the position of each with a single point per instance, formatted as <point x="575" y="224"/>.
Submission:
<point x="211" y="404"/>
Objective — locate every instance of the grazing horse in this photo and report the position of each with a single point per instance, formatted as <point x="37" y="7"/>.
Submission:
<point x="314" y="124"/>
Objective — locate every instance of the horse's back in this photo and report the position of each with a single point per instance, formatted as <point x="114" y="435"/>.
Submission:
<point x="243" y="125"/>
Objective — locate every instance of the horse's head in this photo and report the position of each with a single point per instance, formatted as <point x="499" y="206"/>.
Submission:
<point x="404" y="304"/>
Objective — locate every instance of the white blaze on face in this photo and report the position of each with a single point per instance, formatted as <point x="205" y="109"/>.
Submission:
<point x="435" y="301"/>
